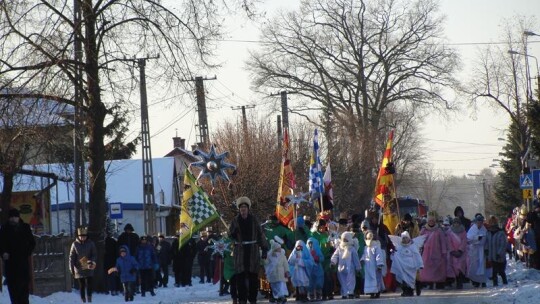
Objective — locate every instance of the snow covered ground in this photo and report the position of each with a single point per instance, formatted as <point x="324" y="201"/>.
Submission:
<point x="523" y="287"/>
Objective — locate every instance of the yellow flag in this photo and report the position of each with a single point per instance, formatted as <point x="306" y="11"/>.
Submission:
<point x="196" y="211"/>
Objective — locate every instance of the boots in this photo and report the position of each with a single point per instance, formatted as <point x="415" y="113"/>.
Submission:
<point x="418" y="288"/>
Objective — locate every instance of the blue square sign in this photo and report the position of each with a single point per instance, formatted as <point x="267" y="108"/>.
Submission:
<point x="115" y="211"/>
<point x="526" y="181"/>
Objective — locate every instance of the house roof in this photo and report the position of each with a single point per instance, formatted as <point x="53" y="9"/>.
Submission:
<point x="124" y="181"/>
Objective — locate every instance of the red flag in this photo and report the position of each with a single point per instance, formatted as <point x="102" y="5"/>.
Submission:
<point x="385" y="179"/>
<point x="287" y="184"/>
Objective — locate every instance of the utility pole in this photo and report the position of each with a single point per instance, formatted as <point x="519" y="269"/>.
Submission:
<point x="279" y="132"/>
<point x="78" y="162"/>
<point x="148" y="172"/>
<point x="284" y="108"/>
<point x="244" y="116"/>
<point x="204" y="137"/>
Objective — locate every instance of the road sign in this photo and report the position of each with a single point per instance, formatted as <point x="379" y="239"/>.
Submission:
<point x="527" y="193"/>
<point x="115" y="211"/>
<point x="526" y="181"/>
<point x="536" y="180"/>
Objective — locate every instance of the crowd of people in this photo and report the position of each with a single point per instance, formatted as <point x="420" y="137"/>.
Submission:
<point x="307" y="260"/>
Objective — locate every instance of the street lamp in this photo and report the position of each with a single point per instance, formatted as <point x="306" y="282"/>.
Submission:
<point x="484" y="192"/>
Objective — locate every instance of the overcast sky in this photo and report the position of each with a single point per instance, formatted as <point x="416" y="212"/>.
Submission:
<point x="463" y="145"/>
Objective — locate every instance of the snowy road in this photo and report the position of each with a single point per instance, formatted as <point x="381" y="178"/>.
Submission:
<point x="523" y="288"/>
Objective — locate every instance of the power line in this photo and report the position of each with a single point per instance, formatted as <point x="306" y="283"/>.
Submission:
<point x="462" y="142"/>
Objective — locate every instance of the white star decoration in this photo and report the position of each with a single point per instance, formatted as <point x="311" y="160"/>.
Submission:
<point x="296" y="199"/>
<point x="213" y="165"/>
<point x="219" y="246"/>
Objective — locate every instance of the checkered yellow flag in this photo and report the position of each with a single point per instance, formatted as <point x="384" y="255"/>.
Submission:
<point x="196" y="211"/>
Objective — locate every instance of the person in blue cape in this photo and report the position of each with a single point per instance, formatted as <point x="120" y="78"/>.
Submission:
<point x="301" y="265"/>
<point x="316" y="280"/>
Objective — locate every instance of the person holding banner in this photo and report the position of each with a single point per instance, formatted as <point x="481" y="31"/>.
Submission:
<point x="245" y="230"/>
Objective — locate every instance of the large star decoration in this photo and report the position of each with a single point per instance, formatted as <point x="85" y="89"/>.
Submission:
<point x="213" y="165"/>
<point x="219" y="246"/>
<point x="296" y="199"/>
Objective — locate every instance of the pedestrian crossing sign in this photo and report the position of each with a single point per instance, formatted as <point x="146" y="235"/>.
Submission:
<point x="525" y="181"/>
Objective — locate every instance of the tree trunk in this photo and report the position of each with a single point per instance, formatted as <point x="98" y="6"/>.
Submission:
<point x="5" y="196"/>
<point x="94" y="125"/>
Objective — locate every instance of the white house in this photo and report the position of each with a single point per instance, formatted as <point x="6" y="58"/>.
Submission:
<point x="54" y="212"/>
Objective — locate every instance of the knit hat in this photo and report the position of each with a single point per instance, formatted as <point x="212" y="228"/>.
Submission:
<point x="479" y="217"/>
<point x="407" y="217"/>
<point x="274" y="245"/>
<point x="493" y="221"/>
<point x="14" y="213"/>
<point x="243" y="200"/>
<point x="129" y="227"/>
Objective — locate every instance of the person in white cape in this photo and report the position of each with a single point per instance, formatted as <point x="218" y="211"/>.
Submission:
<point x="476" y="238"/>
<point x="348" y="264"/>
<point x="407" y="261"/>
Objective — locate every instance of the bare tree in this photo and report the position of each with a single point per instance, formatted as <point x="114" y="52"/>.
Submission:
<point x="38" y="40"/>
<point x="500" y="80"/>
<point x="32" y="131"/>
<point x="359" y="61"/>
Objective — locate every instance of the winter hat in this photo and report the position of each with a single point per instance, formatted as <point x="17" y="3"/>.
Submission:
<point x="321" y="222"/>
<point x="129" y="227"/>
<point x="144" y="238"/>
<point x="243" y="200"/>
<point x="407" y="217"/>
<point x="123" y="249"/>
<point x="493" y="221"/>
<point x="347" y="236"/>
<point x="14" y="213"/>
<point x="458" y="209"/>
<point x="456" y="220"/>
<point x="446" y="221"/>
<point x="479" y="217"/>
<point x="278" y="240"/>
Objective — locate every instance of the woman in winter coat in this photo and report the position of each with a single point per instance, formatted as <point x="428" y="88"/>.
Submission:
<point x="146" y="257"/>
<point x="316" y="281"/>
<point x="277" y="271"/>
<point x="524" y="234"/>
<point x="496" y="250"/>
<point x="127" y="266"/>
<point x="300" y="266"/>
<point x="476" y="237"/>
<point x="374" y="266"/>
<point x="82" y="263"/>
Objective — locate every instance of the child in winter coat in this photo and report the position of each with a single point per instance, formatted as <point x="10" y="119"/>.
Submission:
<point x="146" y="257"/>
<point x="127" y="267"/>
<point x="496" y="250"/>
<point x="300" y="265"/>
<point x="374" y="265"/>
<point x="277" y="271"/>
<point x="348" y="263"/>
<point x="316" y="281"/>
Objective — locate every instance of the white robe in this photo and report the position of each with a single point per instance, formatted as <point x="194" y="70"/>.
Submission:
<point x="405" y="264"/>
<point x="347" y="266"/>
<point x="476" y="238"/>
<point x="374" y="259"/>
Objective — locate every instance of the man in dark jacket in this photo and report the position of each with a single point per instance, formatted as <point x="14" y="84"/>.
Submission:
<point x="458" y="212"/>
<point x="109" y="261"/>
<point x="16" y="246"/>
<point x="164" y="254"/>
<point x="183" y="261"/>
<point x="246" y="233"/>
<point x="130" y="239"/>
